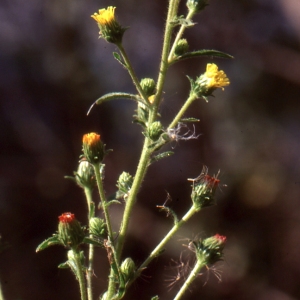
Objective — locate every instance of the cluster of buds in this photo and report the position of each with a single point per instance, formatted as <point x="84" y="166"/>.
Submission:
<point x="203" y="190"/>
<point x="110" y="29"/>
<point x="212" y="79"/>
<point x="210" y="250"/>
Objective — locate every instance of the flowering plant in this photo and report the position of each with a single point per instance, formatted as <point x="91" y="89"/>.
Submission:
<point x="99" y="232"/>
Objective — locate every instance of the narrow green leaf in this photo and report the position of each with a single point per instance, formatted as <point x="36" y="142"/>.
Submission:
<point x="93" y="241"/>
<point x="191" y="120"/>
<point x="204" y="52"/>
<point x="112" y="96"/>
<point x="161" y="156"/>
<point x="54" y="240"/>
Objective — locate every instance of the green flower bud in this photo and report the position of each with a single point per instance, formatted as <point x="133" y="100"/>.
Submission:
<point x="155" y="130"/>
<point x="148" y="85"/>
<point x="181" y="47"/>
<point x="70" y="233"/>
<point x="204" y="189"/>
<point x="124" y="185"/>
<point x="85" y="175"/>
<point x="196" y="5"/>
<point x="211" y="249"/>
<point x="128" y="269"/>
<point x="98" y="228"/>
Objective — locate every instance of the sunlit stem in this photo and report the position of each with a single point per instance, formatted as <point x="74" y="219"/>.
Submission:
<point x="183" y="109"/>
<point x="160" y="247"/>
<point x="193" y="275"/>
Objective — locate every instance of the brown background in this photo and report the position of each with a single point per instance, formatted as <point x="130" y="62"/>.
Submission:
<point x="52" y="68"/>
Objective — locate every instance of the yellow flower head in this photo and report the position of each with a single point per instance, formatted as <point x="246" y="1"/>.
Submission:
<point x="105" y="16"/>
<point x="91" y="138"/>
<point x="110" y="29"/>
<point x="93" y="148"/>
<point x="214" y="78"/>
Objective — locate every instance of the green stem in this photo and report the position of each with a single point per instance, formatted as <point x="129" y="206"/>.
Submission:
<point x="80" y="276"/>
<point x="138" y="178"/>
<point x="191" y="13"/>
<point x="172" y="11"/>
<point x="103" y="200"/>
<point x="131" y="72"/>
<point x="1" y="293"/>
<point x="88" y="195"/>
<point x="170" y="234"/>
<point x="183" y="109"/>
<point x="199" y="265"/>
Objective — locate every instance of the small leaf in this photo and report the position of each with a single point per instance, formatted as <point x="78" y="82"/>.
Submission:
<point x="64" y="265"/>
<point x="54" y="240"/>
<point x="92" y="210"/>
<point x="204" y="52"/>
<point x="161" y="156"/>
<point x="186" y="120"/>
<point x="119" y="59"/>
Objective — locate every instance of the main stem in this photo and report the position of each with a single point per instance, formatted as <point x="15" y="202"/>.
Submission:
<point x="199" y="265"/>
<point x="138" y="178"/>
<point x="172" y="11"/>
<point x="88" y="194"/>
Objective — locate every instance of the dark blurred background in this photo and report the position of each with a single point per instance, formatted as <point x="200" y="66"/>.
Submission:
<point x="53" y="67"/>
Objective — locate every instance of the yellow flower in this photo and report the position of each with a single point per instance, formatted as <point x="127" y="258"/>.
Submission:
<point x="105" y="16"/>
<point x="214" y="78"/>
<point x="110" y="29"/>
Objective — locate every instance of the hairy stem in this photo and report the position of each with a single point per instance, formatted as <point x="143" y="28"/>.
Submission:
<point x="183" y="109"/>
<point x="199" y="265"/>
<point x="79" y="274"/>
<point x="172" y="11"/>
<point x="171" y="233"/>
<point x="179" y="35"/>
<point x="88" y="195"/>
<point x="131" y="72"/>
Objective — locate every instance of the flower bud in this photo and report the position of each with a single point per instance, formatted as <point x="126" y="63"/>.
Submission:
<point x="85" y="175"/>
<point x="212" y="248"/>
<point x="182" y="47"/>
<point x="196" y="5"/>
<point x="155" y="130"/>
<point x="128" y="269"/>
<point x="149" y="87"/>
<point x="98" y="228"/>
<point x="110" y="29"/>
<point x="204" y="189"/>
<point x="124" y="185"/>
<point x="93" y="148"/>
<point x="70" y="233"/>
